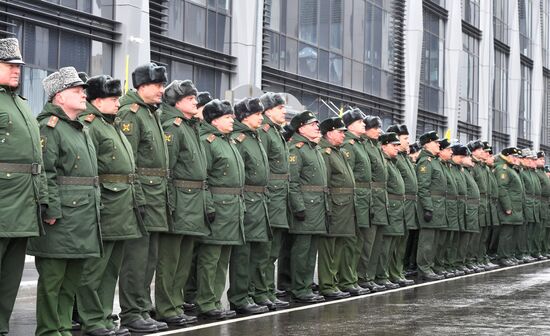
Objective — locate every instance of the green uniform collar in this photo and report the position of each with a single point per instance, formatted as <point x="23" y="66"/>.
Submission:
<point x="132" y="97"/>
<point x="239" y="127"/>
<point x="300" y="138"/>
<point x="54" y="110"/>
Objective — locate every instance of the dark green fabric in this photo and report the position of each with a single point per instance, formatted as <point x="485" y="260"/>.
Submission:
<point x="472" y="209"/>
<point x="114" y="156"/>
<point x="256" y="169"/>
<point x="57" y="284"/>
<point x="408" y="173"/>
<point x="431" y="180"/>
<point x="480" y="173"/>
<point x="531" y="203"/>
<point x="141" y="125"/>
<point x="493" y="198"/>
<point x="358" y="159"/>
<point x="12" y="263"/>
<point x="451" y="205"/>
<point x="225" y="168"/>
<point x="341" y="216"/>
<point x="379" y="173"/>
<point x="20" y="193"/>
<point x="396" y="208"/>
<point x="364" y="250"/>
<point x="510" y="193"/>
<point x="427" y="242"/>
<point x="212" y="264"/>
<point x="68" y="151"/>
<point x="545" y="193"/>
<point x="96" y="292"/>
<point x="302" y="263"/>
<point x="307" y="168"/>
<point x="276" y="150"/>
<point x="458" y="175"/>
<point x="279" y="236"/>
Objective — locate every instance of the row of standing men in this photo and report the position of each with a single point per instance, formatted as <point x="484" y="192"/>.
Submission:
<point x="168" y="183"/>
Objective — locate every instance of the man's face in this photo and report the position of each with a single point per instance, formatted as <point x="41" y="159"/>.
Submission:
<point x="151" y="93"/>
<point x="277" y="114"/>
<point x="479" y="154"/>
<point x="433" y="147"/>
<point x="404" y="139"/>
<point x="311" y="131"/>
<point x="445" y="154"/>
<point x="335" y="137"/>
<point x="224" y="124"/>
<point x="540" y="162"/>
<point x="187" y="105"/>
<point x="199" y="113"/>
<point x="490" y="160"/>
<point x="10" y="74"/>
<point x="458" y="159"/>
<point x="414" y="156"/>
<point x="254" y="121"/>
<point x="467" y="161"/>
<point x="391" y="150"/>
<point x="373" y="133"/>
<point x="357" y="127"/>
<point x="73" y="99"/>
<point x="107" y="105"/>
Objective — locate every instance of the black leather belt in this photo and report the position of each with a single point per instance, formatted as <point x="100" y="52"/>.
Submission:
<point x="153" y="172"/>
<point x="78" y="180"/>
<point x="26" y="168"/>
<point x="335" y="191"/>
<point x="312" y="188"/>
<point x="256" y="189"/>
<point x="226" y="191"/>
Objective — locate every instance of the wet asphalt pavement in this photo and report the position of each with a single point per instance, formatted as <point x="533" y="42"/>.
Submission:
<point x="513" y="301"/>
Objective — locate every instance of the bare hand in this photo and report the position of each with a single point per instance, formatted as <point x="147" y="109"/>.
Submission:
<point x="50" y="221"/>
<point x="508" y="212"/>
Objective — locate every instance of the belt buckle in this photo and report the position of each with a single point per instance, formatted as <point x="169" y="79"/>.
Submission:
<point x="167" y="173"/>
<point x="131" y="178"/>
<point x="36" y="168"/>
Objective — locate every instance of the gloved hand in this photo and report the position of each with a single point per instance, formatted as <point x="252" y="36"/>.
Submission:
<point x="141" y="210"/>
<point x="43" y="210"/>
<point x="210" y="217"/>
<point x="300" y="216"/>
<point x="428" y="215"/>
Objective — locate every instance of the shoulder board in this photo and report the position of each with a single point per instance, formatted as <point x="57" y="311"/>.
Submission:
<point x="352" y="141"/>
<point x="178" y="121"/>
<point x="299" y="145"/>
<point x="134" y="107"/>
<point x="211" y="138"/>
<point x="240" y="137"/>
<point x="52" y="122"/>
<point x="266" y="127"/>
<point x="90" y="117"/>
<point x="328" y="150"/>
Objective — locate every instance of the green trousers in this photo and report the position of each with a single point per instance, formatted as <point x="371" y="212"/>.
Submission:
<point x="546" y="240"/>
<point x="363" y="250"/>
<point x="247" y="273"/>
<point x="274" y="252"/>
<point x="284" y="276"/>
<point x="482" y="246"/>
<point x="452" y="251"/>
<point x="533" y="234"/>
<point x="96" y="292"/>
<point x="12" y="263"/>
<point x="212" y="264"/>
<point x="175" y="255"/>
<point x="336" y="255"/>
<point x="58" y="281"/>
<point x="397" y="255"/>
<point x="302" y="263"/>
<point x="522" y="248"/>
<point x="494" y="241"/>
<point x="380" y="260"/>
<point x="190" y="291"/>
<point x="507" y="241"/>
<point x="472" y="249"/>
<point x="136" y="274"/>
<point x="411" y="250"/>
<point x="425" y="256"/>
<point x="440" y="259"/>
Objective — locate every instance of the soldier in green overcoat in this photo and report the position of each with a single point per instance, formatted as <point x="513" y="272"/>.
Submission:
<point x="72" y="230"/>
<point x="543" y="243"/>
<point x="140" y="123"/>
<point x="444" y="253"/>
<point x="510" y="203"/>
<point x="531" y="208"/>
<point x="187" y="201"/>
<point x="308" y="204"/>
<point x="471" y="223"/>
<point x="359" y="161"/>
<point x="391" y="265"/>
<point x="408" y="173"/>
<point x="121" y="199"/>
<point x="481" y="173"/>
<point x="457" y="254"/>
<point x="494" y="229"/>
<point x="379" y="219"/>
<point x="276" y="149"/>
<point x="412" y="239"/>
<point x="225" y="207"/>
<point x="337" y="278"/>
<point x="23" y="186"/>
<point x="432" y="185"/>
<point x="248" y="289"/>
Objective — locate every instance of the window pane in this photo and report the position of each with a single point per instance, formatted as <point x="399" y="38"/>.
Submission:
<point x="323" y="65"/>
<point x="336" y="24"/>
<point x="308" y="20"/>
<point x="175" y="20"/>
<point x="324" y="23"/>
<point x="211" y="30"/>
<point x="76" y="51"/>
<point x="359" y="31"/>
<point x="31" y="87"/>
<point x="101" y="59"/>
<point x="291" y="56"/>
<point x="41" y="46"/>
<point x="275" y="19"/>
<point x="307" y="60"/>
<point x="292" y="18"/>
<point x="195" y="25"/>
<point x="335" y="74"/>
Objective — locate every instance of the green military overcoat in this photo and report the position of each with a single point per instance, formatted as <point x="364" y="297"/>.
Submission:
<point x="432" y="185"/>
<point x="356" y="154"/>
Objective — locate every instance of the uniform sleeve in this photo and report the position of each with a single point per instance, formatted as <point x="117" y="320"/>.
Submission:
<point x="175" y="140"/>
<point x="349" y="155"/>
<point x="424" y="176"/>
<point x="295" y="196"/>
<point x="327" y="159"/>
<point x="50" y="156"/>
<point x="209" y="200"/>
<point x="503" y="197"/>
